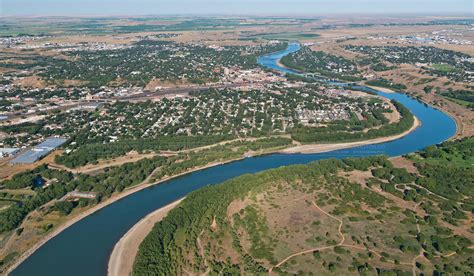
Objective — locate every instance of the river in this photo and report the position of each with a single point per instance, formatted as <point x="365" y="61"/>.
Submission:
<point x="84" y="248"/>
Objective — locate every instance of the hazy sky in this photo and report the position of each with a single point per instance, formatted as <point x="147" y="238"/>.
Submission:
<point x="229" y="7"/>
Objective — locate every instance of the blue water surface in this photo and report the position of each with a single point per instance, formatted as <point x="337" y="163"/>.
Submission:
<point x="85" y="247"/>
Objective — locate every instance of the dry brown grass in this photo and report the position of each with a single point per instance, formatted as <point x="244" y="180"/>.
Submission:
<point x="74" y="39"/>
<point x="7" y="170"/>
<point x="130" y="157"/>
<point x="154" y="84"/>
<point x="30" y="82"/>
<point x="33" y="230"/>
<point x="402" y="162"/>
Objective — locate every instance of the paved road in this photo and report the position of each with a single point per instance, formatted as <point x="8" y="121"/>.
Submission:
<point x="145" y="95"/>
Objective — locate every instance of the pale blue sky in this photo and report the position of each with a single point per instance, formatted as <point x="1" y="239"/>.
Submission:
<point x="230" y="7"/>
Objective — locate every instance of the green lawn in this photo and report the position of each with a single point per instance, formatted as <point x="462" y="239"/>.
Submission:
<point x="444" y="67"/>
<point x="461" y="102"/>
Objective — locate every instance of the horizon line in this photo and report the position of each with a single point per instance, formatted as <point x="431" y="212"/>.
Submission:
<point x="468" y="15"/>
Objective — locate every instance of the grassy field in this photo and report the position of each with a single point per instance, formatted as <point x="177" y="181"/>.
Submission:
<point x="460" y="102"/>
<point x="461" y="97"/>
<point x="444" y="67"/>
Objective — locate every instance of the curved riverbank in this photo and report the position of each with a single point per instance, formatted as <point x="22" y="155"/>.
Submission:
<point x="87" y="245"/>
<point x="320" y="148"/>
<point x="97" y="208"/>
<point x="279" y="63"/>
<point x="306" y="149"/>
<point x="383" y="89"/>
<point x="124" y="253"/>
<point x="279" y="66"/>
<point x="456" y="119"/>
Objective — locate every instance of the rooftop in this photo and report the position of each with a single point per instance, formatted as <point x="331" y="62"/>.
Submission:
<point x="38" y="151"/>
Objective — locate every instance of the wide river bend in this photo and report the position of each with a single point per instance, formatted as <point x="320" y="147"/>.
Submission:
<point x="84" y="247"/>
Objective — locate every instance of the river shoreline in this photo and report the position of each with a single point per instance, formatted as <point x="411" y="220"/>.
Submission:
<point x="125" y="251"/>
<point x="97" y="208"/>
<point x="125" y="265"/>
<point x="283" y="65"/>
<point x="305" y="149"/>
<point x="382" y="89"/>
<point x="144" y="186"/>
<point x="296" y="71"/>
<point x="320" y="148"/>
<point x="122" y="264"/>
<point x="457" y="121"/>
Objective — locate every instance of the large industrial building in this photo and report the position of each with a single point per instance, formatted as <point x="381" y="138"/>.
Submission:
<point x="39" y="151"/>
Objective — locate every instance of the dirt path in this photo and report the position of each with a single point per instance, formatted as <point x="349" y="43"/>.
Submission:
<point x="422" y="251"/>
<point x="341" y="243"/>
<point x="124" y="253"/>
<point x="103" y="164"/>
<point x="333" y="217"/>
<point x="134" y="157"/>
<point x="202" y="253"/>
<point x="318" y="248"/>
<point x="128" y="191"/>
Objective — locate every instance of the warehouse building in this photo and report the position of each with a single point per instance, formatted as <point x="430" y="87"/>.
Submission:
<point x="39" y="151"/>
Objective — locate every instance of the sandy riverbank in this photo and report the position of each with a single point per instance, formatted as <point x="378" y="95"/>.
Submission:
<point x="279" y="63"/>
<point x="96" y="208"/>
<point x="319" y="148"/>
<point x="460" y="132"/>
<point x="282" y="65"/>
<point x="460" y="124"/>
<point x="382" y="89"/>
<point x="311" y="148"/>
<point x="124" y="253"/>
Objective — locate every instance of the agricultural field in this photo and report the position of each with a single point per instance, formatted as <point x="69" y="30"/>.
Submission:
<point x="112" y="25"/>
<point x="290" y="36"/>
